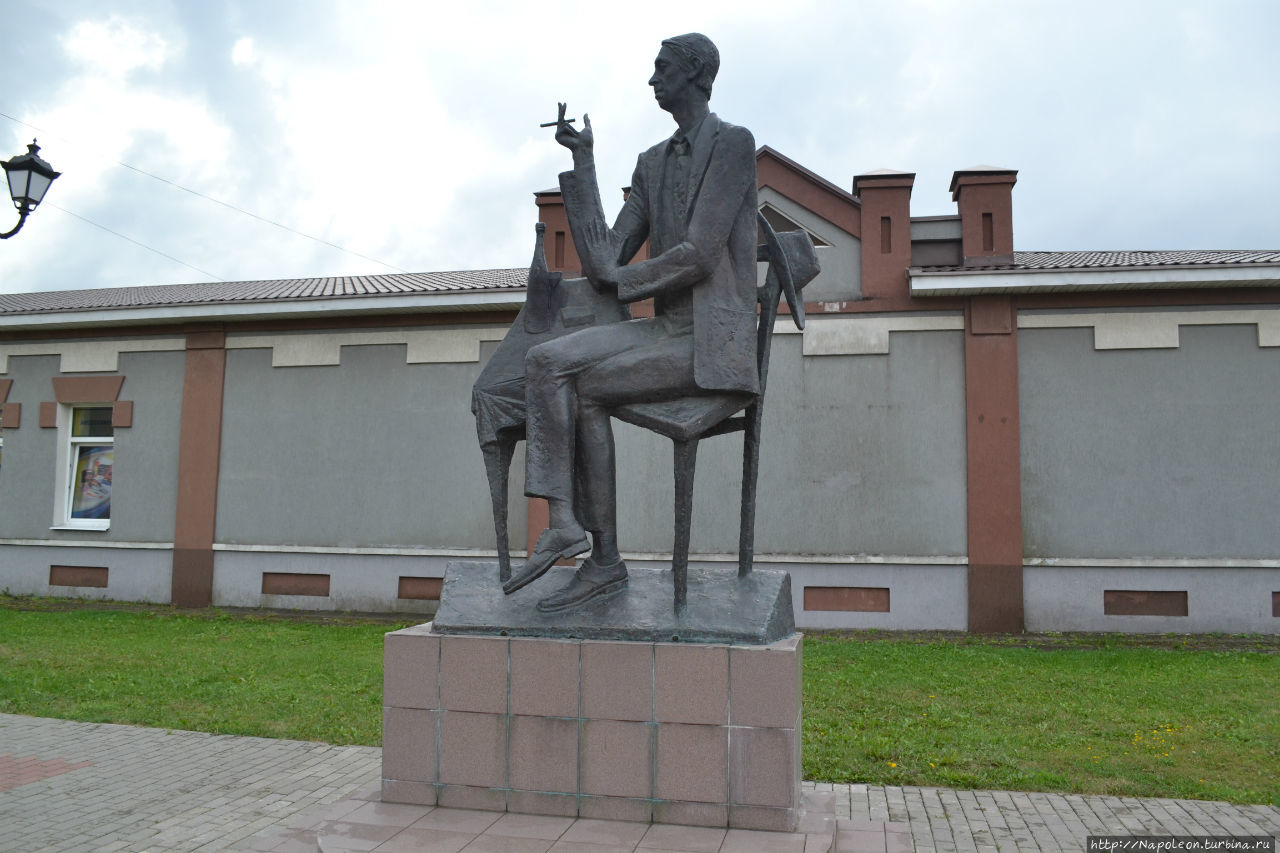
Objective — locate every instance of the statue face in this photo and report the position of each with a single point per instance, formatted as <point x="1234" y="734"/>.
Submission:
<point x="671" y="80"/>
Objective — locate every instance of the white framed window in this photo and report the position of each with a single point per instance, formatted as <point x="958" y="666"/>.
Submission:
<point x="85" y="459"/>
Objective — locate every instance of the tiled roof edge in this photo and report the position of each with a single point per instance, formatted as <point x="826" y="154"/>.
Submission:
<point x="1031" y="261"/>
<point x="263" y="291"/>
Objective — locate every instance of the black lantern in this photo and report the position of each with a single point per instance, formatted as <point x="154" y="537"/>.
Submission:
<point x="29" y="178"/>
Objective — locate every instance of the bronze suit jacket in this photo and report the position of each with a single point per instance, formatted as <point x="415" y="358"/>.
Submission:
<point x="712" y="250"/>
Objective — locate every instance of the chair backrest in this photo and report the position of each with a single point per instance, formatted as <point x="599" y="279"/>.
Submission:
<point x="768" y="295"/>
<point x="793" y="263"/>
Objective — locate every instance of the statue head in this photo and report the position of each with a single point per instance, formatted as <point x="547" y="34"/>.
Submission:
<point x="697" y="57"/>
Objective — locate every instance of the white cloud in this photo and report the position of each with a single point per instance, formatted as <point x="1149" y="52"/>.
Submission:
<point x="242" y="52"/>
<point x="409" y="131"/>
<point x="116" y="46"/>
<point x="110" y="109"/>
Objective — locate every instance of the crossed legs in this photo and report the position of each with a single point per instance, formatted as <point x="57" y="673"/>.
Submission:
<point x="571" y="383"/>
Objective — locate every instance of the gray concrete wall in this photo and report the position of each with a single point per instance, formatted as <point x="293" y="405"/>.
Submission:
<point x="861" y="455"/>
<point x="360" y="582"/>
<point x="921" y="596"/>
<point x="28" y="475"/>
<point x="133" y="574"/>
<point x="371" y="452"/>
<point x="1129" y="456"/>
<point x="145" y="479"/>
<point x="1219" y="598"/>
<point x="145" y="474"/>
<point x="936" y="241"/>
<point x="1150" y="452"/>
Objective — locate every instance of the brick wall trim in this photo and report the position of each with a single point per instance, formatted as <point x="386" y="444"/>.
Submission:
<point x="94" y="576"/>
<point x="199" y="457"/>
<point x="87" y="389"/>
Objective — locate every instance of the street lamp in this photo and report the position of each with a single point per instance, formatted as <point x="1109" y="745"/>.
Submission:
<point x="29" y="178"/>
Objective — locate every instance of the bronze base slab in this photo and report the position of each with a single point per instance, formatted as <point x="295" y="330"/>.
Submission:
<point x="721" y="607"/>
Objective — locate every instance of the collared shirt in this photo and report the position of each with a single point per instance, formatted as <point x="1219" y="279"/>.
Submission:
<point x="675" y="183"/>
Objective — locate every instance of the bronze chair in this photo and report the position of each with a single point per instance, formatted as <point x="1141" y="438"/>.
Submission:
<point x="555" y="307"/>
<point x="793" y="263"/>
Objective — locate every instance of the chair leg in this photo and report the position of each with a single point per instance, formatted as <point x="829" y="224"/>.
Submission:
<point x="686" y="457"/>
<point x="497" y="465"/>
<point x="750" y="476"/>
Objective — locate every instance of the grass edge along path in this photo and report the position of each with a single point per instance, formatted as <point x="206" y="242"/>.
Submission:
<point x="1128" y="716"/>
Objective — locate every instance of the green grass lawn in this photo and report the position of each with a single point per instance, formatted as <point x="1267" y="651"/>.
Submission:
<point x="1121" y="719"/>
<point x="207" y="671"/>
<point x="1097" y="715"/>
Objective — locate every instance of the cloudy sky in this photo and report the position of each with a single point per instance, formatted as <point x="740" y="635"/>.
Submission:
<point x="407" y="132"/>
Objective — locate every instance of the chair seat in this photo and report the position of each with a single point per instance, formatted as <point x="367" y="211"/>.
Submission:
<point x="684" y="418"/>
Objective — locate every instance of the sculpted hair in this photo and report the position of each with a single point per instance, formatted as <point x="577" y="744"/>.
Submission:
<point x="696" y="50"/>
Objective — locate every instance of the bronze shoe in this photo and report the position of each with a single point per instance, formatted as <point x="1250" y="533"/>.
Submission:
<point x="591" y="581"/>
<point x="555" y="543"/>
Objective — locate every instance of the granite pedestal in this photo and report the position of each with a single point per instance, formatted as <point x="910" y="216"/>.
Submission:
<point x="645" y="730"/>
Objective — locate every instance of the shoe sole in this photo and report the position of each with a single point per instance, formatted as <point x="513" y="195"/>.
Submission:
<point x="568" y="551"/>
<point x="599" y="592"/>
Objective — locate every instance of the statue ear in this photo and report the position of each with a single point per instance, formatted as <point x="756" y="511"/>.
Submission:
<point x="693" y="69"/>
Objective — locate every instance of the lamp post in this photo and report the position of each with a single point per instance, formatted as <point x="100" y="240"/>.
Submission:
<point x="29" y="178"/>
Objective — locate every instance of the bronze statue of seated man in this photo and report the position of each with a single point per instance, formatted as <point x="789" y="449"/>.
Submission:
<point x="693" y="197"/>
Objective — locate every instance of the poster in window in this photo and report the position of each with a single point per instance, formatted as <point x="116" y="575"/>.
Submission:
<point x="91" y="492"/>
<point x="92" y="421"/>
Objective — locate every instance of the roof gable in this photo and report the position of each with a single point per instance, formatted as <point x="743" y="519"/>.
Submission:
<point x="808" y="190"/>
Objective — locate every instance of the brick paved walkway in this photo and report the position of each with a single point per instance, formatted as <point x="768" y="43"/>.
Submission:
<point x="153" y="789"/>
<point x="68" y="786"/>
<point x="945" y="820"/>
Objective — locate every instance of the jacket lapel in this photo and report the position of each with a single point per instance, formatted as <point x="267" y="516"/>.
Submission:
<point x="663" y="209"/>
<point x="702" y="148"/>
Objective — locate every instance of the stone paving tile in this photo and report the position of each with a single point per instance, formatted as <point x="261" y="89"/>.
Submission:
<point x="944" y="821"/>
<point x="68" y="786"/>
<point x="694" y="839"/>
<point x="606" y="832"/>
<point x="19" y="770"/>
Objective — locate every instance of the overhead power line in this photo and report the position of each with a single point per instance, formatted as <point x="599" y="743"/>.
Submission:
<point x="256" y="216"/>
<point x="131" y="240"/>
<point x="199" y="194"/>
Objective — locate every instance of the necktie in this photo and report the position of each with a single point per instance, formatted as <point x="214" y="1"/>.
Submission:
<point x="680" y="147"/>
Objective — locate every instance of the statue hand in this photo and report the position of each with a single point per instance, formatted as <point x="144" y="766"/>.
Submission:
<point x="572" y="139"/>
<point x="599" y="255"/>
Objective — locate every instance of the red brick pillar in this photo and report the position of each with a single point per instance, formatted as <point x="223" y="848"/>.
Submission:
<point x="199" y="456"/>
<point x="984" y="196"/>
<point x="994" y="466"/>
<point x="561" y="255"/>
<point x="885" y="196"/>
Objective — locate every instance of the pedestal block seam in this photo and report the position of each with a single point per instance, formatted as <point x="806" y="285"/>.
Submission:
<point x="439" y="716"/>
<point x="506" y="777"/>
<point x="582" y="732"/>
<point x="653" y="725"/>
